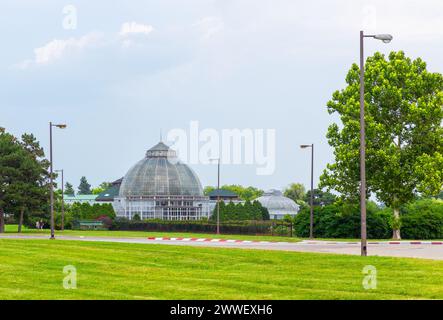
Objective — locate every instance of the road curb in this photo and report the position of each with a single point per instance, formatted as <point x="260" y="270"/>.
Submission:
<point x="378" y="242"/>
<point x="301" y="242"/>
<point x="210" y="240"/>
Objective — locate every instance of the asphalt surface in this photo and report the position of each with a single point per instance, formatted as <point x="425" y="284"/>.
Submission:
<point x="426" y="251"/>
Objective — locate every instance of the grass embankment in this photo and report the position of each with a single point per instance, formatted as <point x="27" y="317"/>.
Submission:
<point x="12" y="229"/>
<point x="32" y="269"/>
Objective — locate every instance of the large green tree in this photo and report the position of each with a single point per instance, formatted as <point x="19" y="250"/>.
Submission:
<point x="24" y="176"/>
<point x="9" y="163"/>
<point x="404" y="137"/>
<point x="34" y="177"/>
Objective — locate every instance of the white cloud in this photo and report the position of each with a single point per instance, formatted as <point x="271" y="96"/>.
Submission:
<point x="57" y="48"/>
<point x="129" y="28"/>
<point x="210" y="26"/>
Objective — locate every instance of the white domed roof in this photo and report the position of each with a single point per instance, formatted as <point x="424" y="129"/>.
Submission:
<point x="274" y="200"/>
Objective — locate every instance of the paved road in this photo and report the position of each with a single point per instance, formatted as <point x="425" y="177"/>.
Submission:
<point x="427" y="251"/>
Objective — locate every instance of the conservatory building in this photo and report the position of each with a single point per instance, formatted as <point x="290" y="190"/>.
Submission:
<point x="278" y="205"/>
<point x="160" y="186"/>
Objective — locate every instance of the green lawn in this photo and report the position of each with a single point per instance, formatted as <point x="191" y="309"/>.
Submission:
<point x="32" y="269"/>
<point x="137" y="234"/>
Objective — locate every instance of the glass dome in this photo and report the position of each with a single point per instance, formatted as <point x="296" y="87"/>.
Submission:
<point x="160" y="173"/>
<point x="274" y="200"/>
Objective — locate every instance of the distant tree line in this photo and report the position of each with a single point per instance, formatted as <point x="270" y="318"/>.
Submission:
<point x="85" y="187"/>
<point x="244" y="193"/>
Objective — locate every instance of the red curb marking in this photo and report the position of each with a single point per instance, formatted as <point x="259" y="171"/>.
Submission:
<point x="415" y="242"/>
<point x="166" y="238"/>
<point x="223" y="240"/>
<point x="436" y="242"/>
<point x="193" y="239"/>
<point x="151" y="238"/>
<point x="178" y="238"/>
<point x="207" y="239"/>
<point x="394" y="242"/>
<point x="238" y="240"/>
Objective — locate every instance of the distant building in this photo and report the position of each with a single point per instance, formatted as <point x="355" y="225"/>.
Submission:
<point x="225" y="195"/>
<point x="80" y="198"/>
<point x="109" y="194"/>
<point x="278" y="205"/>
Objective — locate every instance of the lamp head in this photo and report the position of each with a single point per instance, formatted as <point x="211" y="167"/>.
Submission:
<point x="386" y="38"/>
<point x="60" y="126"/>
<point x="303" y="146"/>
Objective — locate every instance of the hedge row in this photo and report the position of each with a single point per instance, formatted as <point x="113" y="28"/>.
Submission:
<point x="205" y="226"/>
<point x="422" y="219"/>
<point x="337" y="221"/>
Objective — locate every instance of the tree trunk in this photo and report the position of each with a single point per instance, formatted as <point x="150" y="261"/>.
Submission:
<point x="20" y="221"/>
<point x="396" y="226"/>
<point x="2" y="220"/>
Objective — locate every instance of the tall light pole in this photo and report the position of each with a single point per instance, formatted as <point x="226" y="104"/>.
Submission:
<point x="218" y="194"/>
<point x="63" y="200"/>
<point x="51" y="178"/>
<point x="386" y="38"/>
<point x="311" y="217"/>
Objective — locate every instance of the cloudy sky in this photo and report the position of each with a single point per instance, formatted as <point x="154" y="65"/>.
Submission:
<point x="117" y="74"/>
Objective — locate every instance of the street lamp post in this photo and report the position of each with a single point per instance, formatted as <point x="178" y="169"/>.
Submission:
<point x="218" y="194"/>
<point x="51" y="178"/>
<point x="63" y="201"/>
<point x="386" y="38"/>
<point x="311" y="217"/>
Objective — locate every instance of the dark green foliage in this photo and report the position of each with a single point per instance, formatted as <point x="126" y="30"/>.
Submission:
<point x="241" y="211"/>
<point x="342" y="221"/>
<point x="423" y="219"/>
<point x="24" y="177"/>
<point x="84" y="211"/>
<point x="69" y="189"/>
<point x="205" y="226"/>
<point x="84" y="187"/>
<point x="321" y="198"/>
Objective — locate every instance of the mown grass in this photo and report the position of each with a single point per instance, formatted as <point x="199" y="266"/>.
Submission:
<point x="142" y="234"/>
<point x="32" y="269"/>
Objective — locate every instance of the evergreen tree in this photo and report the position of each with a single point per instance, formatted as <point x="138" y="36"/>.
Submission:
<point x="24" y="178"/>
<point x="84" y="187"/>
<point x="69" y="189"/>
<point x="9" y="157"/>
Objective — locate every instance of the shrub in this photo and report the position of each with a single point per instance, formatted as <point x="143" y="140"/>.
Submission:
<point x="342" y="221"/>
<point x="422" y="219"/>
